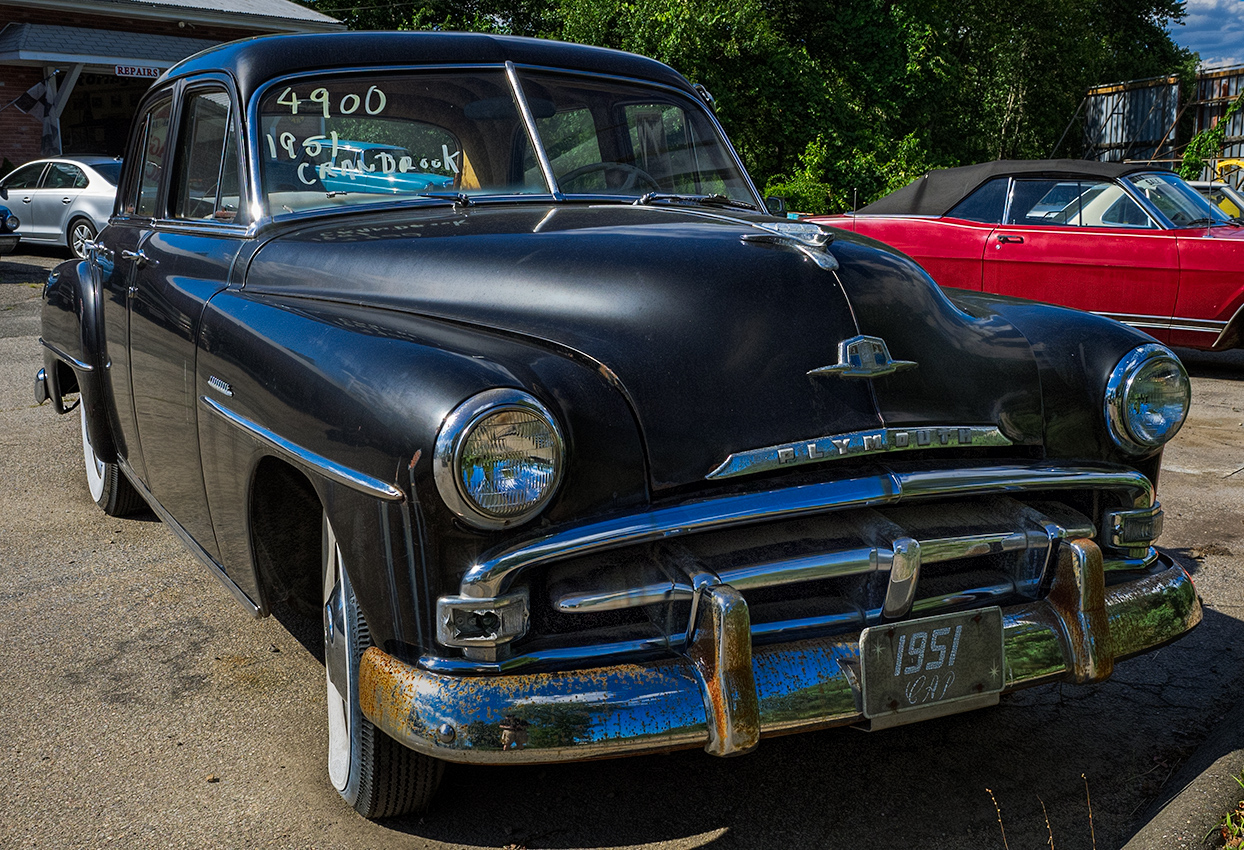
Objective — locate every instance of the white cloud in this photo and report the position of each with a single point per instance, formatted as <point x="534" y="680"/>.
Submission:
<point x="1215" y="30"/>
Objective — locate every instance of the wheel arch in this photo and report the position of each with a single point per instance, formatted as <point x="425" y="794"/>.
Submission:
<point x="74" y="356"/>
<point x="284" y="513"/>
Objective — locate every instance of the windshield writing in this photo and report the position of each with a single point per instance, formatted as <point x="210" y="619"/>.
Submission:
<point x="341" y="140"/>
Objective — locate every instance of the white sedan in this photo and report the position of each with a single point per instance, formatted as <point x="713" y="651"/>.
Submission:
<point x="63" y="201"/>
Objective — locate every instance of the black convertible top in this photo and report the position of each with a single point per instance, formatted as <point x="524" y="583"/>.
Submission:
<point x="937" y="192"/>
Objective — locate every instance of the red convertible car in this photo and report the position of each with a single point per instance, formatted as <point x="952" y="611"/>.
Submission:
<point x="1119" y="239"/>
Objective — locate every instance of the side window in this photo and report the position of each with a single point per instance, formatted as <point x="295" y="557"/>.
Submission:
<point x="985" y="204"/>
<point x="1075" y="203"/>
<point x="570" y="141"/>
<point x="64" y="176"/>
<point x="153" y="155"/>
<point x="206" y="183"/>
<point x="1116" y="208"/>
<point x="26" y="177"/>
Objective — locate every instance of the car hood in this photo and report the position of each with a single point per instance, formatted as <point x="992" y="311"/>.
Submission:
<point x="710" y="335"/>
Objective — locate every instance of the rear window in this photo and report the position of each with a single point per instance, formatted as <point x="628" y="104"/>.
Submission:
<point x="110" y="171"/>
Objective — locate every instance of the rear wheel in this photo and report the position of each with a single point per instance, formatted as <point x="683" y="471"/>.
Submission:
<point x="109" y="487"/>
<point x="371" y="771"/>
<point x="79" y="234"/>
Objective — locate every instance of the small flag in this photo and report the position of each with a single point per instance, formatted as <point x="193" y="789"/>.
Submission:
<point x="35" y="101"/>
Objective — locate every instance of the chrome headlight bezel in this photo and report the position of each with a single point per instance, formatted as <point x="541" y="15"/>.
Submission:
<point x="457" y="429"/>
<point x="1122" y="416"/>
<point x="12" y="222"/>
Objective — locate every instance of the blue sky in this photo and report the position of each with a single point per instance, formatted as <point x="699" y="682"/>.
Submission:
<point x="1215" y="29"/>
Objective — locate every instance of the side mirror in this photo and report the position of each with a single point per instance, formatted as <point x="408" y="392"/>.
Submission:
<point x="4" y="192"/>
<point x="775" y="205"/>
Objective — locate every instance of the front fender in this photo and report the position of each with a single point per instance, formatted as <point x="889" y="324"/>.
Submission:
<point x="1075" y="353"/>
<point x="342" y="390"/>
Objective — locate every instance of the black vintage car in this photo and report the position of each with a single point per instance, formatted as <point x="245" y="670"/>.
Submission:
<point x="485" y="349"/>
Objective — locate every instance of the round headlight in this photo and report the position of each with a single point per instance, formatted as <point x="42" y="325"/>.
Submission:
<point x="1147" y="399"/>
<point x="12" y="222"/>
<point x="498" y="458"/>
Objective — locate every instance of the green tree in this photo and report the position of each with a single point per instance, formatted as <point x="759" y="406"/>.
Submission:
<point x="838" y="100"/>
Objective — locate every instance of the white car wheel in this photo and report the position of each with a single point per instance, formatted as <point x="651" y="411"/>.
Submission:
<point x="109" y="487"/>
<point x="374" y="773"/>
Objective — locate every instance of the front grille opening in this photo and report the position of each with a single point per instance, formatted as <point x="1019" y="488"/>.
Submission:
<point x="803" y="577"/>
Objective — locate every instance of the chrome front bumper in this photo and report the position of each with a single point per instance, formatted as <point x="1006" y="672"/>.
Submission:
<point x="724" y="694"/>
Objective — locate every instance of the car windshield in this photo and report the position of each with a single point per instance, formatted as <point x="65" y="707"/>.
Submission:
<point x="1175" y="199"/>
<point x="349" y="139"/>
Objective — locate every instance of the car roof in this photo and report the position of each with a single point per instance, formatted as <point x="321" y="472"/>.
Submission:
<point x="254" y="61"/>
<point x="938" y="191"/>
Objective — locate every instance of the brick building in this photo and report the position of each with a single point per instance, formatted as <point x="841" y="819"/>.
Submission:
<point x="72" y="71"/>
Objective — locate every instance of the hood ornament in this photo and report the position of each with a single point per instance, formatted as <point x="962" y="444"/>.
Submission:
<point x="863" y="357"/>
<point x="809" y="239"/>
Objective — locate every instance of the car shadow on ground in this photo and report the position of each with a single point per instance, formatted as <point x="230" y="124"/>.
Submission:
<point x="30" y="264"/>
<point x="1228" y="365"/>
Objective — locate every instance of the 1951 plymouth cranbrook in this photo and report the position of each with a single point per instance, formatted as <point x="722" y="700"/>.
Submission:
<point x="576" y="450"/>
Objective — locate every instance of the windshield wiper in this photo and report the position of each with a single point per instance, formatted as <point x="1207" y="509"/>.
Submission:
<point x="459" y="199"/>
<point x="714" y="199"/>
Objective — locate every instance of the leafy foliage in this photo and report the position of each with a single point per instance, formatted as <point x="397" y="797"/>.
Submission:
<point x="837" y="101"/>
<point x="1208" y="143"/>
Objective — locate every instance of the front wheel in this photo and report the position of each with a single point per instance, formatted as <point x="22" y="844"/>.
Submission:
<point x="371" y="771"/>
<point x="109" y="487"/>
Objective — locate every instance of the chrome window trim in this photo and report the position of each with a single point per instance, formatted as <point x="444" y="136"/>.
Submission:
<point x="533" y="133"/>
<point x="493" y="573"/>
<point x="305" y="457"/>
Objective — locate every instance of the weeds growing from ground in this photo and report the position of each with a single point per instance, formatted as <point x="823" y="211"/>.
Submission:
<point x="1092" y="832"/>
<point x="1231" y="827"/>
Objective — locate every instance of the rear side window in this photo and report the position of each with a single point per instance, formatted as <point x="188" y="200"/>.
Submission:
<point x="206" y="184"/>
<point x="64" y="176"/>
<point x="985" y="204"/>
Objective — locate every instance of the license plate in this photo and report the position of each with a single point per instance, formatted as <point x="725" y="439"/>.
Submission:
<point x="933" y="666"/>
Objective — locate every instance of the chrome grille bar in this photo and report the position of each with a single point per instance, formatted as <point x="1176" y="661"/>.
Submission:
<point x="845" y="562"/>
<point x="497" y="569"/>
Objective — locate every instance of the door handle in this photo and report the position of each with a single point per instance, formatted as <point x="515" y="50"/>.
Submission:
<point x="66" y="201"/>
<point x="1002" y="237"/>
<point x="140" y="259"/>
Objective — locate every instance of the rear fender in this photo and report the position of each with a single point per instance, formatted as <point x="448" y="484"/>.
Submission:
<point x="72" y="338"/>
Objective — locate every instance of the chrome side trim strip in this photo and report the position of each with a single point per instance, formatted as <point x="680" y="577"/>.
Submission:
<point x="72" y="361"/>
<point x="857" y="443"/>
<point x="304" y="457"/>
<point x="196" y="550"/>
<point x="1174" y="323"/>
<point x="492" y="574"/>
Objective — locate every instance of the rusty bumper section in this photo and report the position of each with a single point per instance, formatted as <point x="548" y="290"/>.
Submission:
<point x="725" y="693"/>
